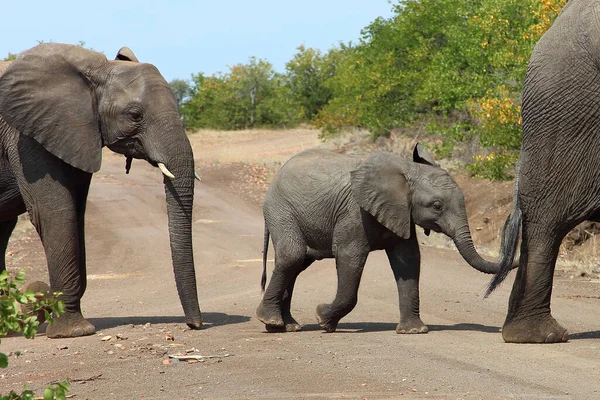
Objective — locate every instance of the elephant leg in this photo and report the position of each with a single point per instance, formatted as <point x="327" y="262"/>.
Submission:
<point x="59" y="232"/>
<point x="289" y="262"/>
<point x="405" y="260"/>
<point x="6" y="228"/>
<point x="350" y="262"/>
<point x="529" y="319"/>
<point x="291" y="325"/>
<point x="82" y="189"/>
<point x="53" y="194"/>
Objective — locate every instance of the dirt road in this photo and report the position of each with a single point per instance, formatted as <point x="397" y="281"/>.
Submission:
<point x="131" y="292"/>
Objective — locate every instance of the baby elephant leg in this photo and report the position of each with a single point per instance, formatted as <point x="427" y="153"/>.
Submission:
<point x="349" y="263"/>
<point x="273" y="310"/>
<point x="290" y="324"/>
<point x="405" y="260"/>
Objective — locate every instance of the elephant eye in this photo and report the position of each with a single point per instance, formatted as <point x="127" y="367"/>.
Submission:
<point x="135" y="114"/>
<point x="437" y="206"/>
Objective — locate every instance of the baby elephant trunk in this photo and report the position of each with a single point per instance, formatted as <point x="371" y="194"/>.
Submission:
<point x="464" y="243"/>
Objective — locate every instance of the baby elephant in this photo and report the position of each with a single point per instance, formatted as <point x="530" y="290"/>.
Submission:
<point x="323" y="204"/>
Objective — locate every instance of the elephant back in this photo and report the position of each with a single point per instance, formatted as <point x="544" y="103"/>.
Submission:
<point x="314" y="172"/>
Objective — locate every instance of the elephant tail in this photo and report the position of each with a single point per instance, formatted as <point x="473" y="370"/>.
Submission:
<point x="263" y="281"/>
<point x="508" y="248"/>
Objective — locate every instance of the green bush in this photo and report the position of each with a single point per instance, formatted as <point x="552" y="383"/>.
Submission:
<point x="494" y="166"/>
<point x="248" y="96"/>
<point x="12" y="318"/>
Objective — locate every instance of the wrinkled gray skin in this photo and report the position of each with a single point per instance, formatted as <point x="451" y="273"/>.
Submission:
<point x="59" y="105"/>
<point x="558" y="179"/>
<point x="327" y="205"/>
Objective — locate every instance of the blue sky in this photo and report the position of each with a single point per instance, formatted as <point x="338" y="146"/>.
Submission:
<point x="185" y="37"/>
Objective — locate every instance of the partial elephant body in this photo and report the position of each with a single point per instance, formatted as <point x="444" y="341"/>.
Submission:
<point x="558" y="178"/>
<point x="59" y="104"/>
<point x="324" y="176"/>
<point x="327" y="205"/>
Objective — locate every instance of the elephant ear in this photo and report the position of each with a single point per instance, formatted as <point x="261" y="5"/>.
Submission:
<point x="422" y="156"/>
<point x="47" y="94"/>
<point x="380" y="188"/>
<point x="125" y="54"/>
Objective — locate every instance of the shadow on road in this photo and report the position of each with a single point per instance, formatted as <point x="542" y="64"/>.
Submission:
<point x="584" y="335"/>
<point x="355" y="327"/>
<point x="465" y="327"/>
<point x="210" y="319"/>
<point x="361" y="327"/>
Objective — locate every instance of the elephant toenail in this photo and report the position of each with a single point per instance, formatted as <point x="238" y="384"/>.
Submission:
<point x="77" y="332"/>
<point x="565" y="337"/>
<point x="551" y="338"/>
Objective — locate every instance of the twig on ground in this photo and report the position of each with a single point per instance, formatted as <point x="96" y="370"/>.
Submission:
<point x="196" y="356"/>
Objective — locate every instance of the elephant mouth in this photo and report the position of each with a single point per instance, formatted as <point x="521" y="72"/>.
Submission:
<point x="431" y="226"/>
<point x="132" y="148"/>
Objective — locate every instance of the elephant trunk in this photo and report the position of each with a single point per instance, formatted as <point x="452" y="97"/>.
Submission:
<point x="180" y="198"/>
<point x="466" y="248"/>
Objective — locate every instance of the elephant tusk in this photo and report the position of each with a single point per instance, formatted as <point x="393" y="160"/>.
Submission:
<point x="165" y="171"/>
<point x="197" y="176"/>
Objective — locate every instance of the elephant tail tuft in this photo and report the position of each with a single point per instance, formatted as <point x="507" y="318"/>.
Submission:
<point x="263" y="281"/>
<point x="508" y="248"/>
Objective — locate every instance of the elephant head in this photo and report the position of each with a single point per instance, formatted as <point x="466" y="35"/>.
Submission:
<point x="398" y="192"/>
<point x="74" y="101"/>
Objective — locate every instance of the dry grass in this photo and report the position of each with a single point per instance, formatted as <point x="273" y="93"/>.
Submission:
<point x="582" y="259"/>
<point x="252" y="146"/>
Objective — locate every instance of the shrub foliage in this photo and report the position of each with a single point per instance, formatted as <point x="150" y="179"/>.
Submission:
<point x="12" y="318"/>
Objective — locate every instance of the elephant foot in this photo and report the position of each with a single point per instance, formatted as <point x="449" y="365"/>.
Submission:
<point x="194" y="324"/>
<point x="270" y="316"/>
<point x="286" y="328"/>
<point x="534" y="330"/>
<point x="413" y="325"/>
<point x="36" y="287"/>
<point x="70" y="324"/>
<point x="291" y="325"/>
<point x="323" y="314"/>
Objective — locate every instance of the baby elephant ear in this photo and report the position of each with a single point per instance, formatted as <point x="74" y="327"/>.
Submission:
<point x="422" y="156"/>
<point x="125" y="54"/>
<point x="380" y="188"/>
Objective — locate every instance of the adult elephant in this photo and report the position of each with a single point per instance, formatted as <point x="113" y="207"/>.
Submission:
<point x="558" y="179"/>
<point x="59" y="105"/>
<point x="326" y="205"/>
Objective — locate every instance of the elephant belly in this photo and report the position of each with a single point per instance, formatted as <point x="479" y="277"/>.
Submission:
<point x="11" y="202"/>
<point x="318" y="254"/>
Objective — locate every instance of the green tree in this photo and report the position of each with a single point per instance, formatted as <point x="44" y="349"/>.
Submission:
<point x="10" y="57"/>
<point x="460" y="64"/>
<point x="181" y="90"/>
<point x="306" y="76"/>
<point x="252" y="83"/>
<point x="249" y="95"/>
<point x="279" y="108"/>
